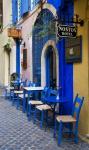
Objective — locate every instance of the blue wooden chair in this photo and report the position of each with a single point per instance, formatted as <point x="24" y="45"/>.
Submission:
<point x="45" y="107"/>
<point x="71" y="121"/>
<point x="32" y="103"/>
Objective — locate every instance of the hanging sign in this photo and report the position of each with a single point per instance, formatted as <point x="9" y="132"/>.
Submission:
<point x="66" y="31"/>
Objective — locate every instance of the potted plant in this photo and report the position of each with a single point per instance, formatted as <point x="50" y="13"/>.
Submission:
<point x="7" y="47"/>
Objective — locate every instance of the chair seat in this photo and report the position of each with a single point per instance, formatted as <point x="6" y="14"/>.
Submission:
<point x="65" y="118"/>
<point x="43" y="107"/>
<point x="35" y="102"/>
<point x="22" y="96"/>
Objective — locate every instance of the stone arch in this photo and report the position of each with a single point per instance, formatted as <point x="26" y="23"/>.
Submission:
<point x="45" y="6"/>
<point x="43" y="63"/>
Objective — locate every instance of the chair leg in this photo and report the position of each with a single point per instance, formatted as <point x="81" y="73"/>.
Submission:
<point x="18" y="102"/>
<point x="76" y="133"/>
<point x="5" y="94"/>
<point x="70" y="129"/>
<point x="59" y="132"/>
<point x="35" y="112"/>
<point x="46" y="120"/>
<point x="42" y="118"/>
<point x="28" y="108"/>
<point x="55" y="126"/>
<point x="10" y="95"/>
<point x="13" y="99"/>
<point x="29" y="112"/>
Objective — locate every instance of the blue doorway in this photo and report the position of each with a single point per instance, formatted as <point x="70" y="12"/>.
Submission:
<point x="51" y="73"/>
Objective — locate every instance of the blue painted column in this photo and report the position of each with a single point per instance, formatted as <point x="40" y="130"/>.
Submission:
<point x="65" y="79"/>
<point x="65" y="69"/>
<point x="18" y="57"/>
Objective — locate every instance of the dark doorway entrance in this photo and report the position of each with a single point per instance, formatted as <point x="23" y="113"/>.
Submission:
<point x="51" y="67"/>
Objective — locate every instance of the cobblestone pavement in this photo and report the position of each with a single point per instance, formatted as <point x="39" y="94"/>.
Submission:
<point x="17" y="133"/>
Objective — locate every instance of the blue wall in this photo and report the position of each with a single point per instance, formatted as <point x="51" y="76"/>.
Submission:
<point x="55" y="3"/>
<point x="18" y="57"/>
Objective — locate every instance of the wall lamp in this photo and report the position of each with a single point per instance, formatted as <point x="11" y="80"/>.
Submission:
<point x="22" y="42"/>
<point x="66" y="19"/>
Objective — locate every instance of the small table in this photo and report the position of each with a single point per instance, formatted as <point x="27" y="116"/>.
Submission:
<point x="28" y="90"/>
<point x="54" y="100"/>
<point x="16" y="92"/>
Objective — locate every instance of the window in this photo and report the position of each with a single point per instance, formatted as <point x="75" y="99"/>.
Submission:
<point x="1" y="13"/>
<point x="33" y="3"/>
<point x="19" y="9"/>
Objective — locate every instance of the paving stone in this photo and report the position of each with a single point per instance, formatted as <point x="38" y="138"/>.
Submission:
<point x="17" y="133"/>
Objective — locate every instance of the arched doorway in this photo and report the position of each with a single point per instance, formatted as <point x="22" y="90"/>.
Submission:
<point x="51" y="74"/>
<point x="50" y="65"/>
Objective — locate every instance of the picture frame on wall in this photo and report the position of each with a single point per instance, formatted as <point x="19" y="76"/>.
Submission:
<point x="73" y="50"/>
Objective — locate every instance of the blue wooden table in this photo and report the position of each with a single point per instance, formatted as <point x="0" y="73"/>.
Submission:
<point x="29" y="90"/>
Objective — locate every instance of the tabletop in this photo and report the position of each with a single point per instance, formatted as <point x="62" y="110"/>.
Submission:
<point x="39" y="88"/>
<point x="18" y="92"/>
<point x="55" y="99"/>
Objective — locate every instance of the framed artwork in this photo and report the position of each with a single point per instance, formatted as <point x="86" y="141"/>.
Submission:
<point x="73" y="49"/>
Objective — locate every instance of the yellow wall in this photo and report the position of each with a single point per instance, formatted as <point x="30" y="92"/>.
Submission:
<point x="81" y="70"/>
<point x="4" y="59"/>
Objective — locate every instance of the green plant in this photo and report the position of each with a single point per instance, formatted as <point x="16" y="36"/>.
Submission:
<point x="7" y="47"/>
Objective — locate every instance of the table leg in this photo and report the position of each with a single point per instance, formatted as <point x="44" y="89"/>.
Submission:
<point x="54" y="113"/>
<point x="24" y="102"/>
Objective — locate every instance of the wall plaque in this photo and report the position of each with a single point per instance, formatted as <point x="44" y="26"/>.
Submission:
<point x="73" y="49"/>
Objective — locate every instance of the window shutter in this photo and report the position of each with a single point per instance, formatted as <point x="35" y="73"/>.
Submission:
<point x="55" y="3"/>
<point x="14" y="11"/>
<point x="37" y="1"/>
<point x="24" y="7"/>
<point x="24" y="58"/>
<point x="33" y="3"/>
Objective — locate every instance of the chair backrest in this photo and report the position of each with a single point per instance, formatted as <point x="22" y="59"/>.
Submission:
<point x="77" y="106"/>
<point x="53" y="93"/>
<point x="34" y="84"/>
<point x="45" y="93"/>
